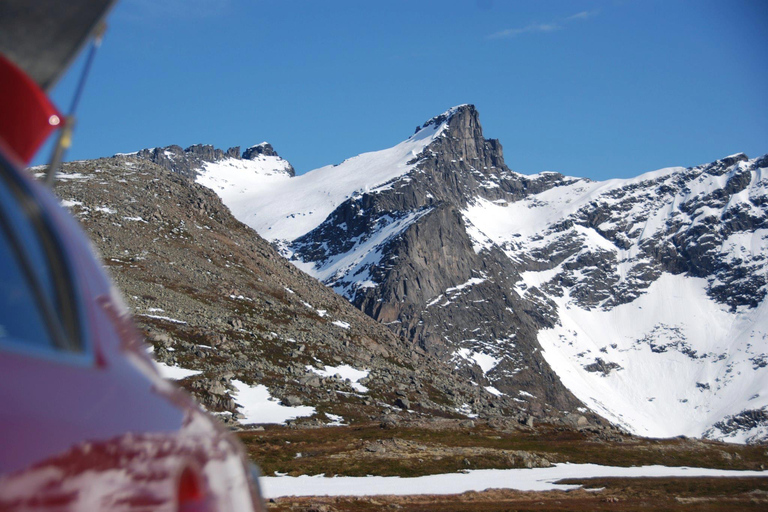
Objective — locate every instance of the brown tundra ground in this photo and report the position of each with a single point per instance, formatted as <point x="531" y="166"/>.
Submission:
<point x="431" y="447"/>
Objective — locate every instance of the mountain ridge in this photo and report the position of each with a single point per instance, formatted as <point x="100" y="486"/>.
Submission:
<point x="485" y="268"/>
<point x="228" y="318"/>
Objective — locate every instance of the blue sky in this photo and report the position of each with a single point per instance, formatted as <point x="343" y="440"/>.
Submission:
<point x="600" y="89"/>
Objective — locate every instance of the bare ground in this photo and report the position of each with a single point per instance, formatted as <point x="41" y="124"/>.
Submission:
<point x="428" y="447"/>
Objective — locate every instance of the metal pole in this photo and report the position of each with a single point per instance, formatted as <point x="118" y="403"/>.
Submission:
<point x="65" y="137"/>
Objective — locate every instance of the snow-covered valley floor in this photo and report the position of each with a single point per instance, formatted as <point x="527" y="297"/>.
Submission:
<point x="536" y="479"/>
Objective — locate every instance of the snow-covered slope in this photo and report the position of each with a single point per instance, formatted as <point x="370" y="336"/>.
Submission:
<point x="650" y="344"/>
<point x="671" y="362"/>
<point x="279" y="207"/>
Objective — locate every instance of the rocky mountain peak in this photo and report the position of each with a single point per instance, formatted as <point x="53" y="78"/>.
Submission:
<point x="457" y="112"/>
<point x="265" y="148"/>
<point x="188" y="162"/>
<point x="463" y="143"/>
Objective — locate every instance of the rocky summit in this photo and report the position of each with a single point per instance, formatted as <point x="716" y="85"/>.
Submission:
<point x="485" y="292"/>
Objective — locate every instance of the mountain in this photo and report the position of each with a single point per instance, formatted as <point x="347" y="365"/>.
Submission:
<point x="240" y="327"/>
<point x="641" y="299"/>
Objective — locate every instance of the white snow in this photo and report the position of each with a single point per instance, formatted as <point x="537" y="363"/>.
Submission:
<point x="435" y="300"/>
<point x="345" y="372"/>
<point x="336" y="420"/>
<point x="492" y="390"/>
<point x="174" y="372"/>
<point x="166" y="318"/>
<point x="72" y="176"/>
<point x="685" y="361"/>
<point x="484" y="361"/>
<point x="536" y="479"/>
<point x="472" y="281"/>
<point x="536" y="213"/>
<point x="466" y="410"/>
<point x="279" y="207"/>
<point x="258" y="406"/>
<point x="655" y="393"/>
<point x="341" y="323"/>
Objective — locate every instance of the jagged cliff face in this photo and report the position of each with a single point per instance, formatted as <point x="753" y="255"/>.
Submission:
<point x="642" y="299"/>
<point x="405" y="257"/>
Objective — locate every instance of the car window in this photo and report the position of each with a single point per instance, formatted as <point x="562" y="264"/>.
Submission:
<point x="21" y="321"/>
<point x="34" y="253"/>
<point x="36" y="300"/>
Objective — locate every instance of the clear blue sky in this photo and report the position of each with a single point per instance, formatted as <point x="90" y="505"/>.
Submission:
<point x="600" y="89"/>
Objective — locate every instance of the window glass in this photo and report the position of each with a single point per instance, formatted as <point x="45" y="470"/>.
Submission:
<point x="27" y="236"/>
<point x="20" y="319"/>
<point x="34" y="272"/>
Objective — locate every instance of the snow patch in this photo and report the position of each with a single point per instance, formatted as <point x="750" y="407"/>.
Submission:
<point x="257" y="405"/>
<point x="345" y="372"/>
<point x="174" y="372"/>
<point x="536" y="479"/>
<point x="166" y="318"/>
<point x="484" y="361"/>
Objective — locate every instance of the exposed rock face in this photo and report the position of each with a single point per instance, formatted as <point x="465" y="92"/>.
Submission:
<point x="189" y="161"/>
<point x="432" y="287"/>
<point x="754" y="420"/>
<point x="265" y="148"/>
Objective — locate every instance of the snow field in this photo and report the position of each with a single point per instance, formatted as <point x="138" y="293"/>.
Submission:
<point x="685" y="362"/>
<point x="536" y="479"/>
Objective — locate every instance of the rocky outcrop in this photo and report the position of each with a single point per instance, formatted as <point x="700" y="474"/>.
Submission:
<point x="189" y="161"/>
<point x="750" y="420"/>
<point x="265" y="148"/>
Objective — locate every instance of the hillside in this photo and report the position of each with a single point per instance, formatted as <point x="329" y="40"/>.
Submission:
<point x="240" y="326"/>
<point x="643" y="298"/>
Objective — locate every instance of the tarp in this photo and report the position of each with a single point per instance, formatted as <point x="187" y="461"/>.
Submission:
<point x="42" y="37"/>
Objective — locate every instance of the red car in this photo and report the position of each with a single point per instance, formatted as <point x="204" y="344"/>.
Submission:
<point x="86" y="422"/>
